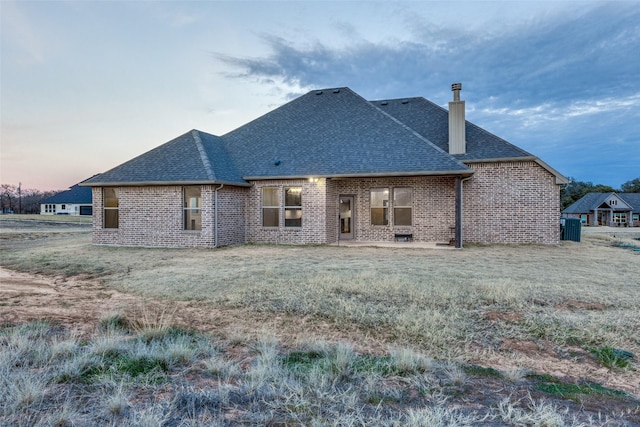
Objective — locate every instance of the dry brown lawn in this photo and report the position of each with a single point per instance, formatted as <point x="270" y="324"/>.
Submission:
<point x="546" y="310"/>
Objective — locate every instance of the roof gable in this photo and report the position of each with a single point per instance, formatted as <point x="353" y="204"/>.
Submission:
<point x="592" y="201"/>
<point x="334" y="132"/>
<point x="195" y="157"/>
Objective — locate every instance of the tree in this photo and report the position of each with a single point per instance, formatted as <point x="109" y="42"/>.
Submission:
<point x="19" y="200"/>
<point x="8" y="195"/>
<point x="575" y="190"/>
<point x="632" y="186"/>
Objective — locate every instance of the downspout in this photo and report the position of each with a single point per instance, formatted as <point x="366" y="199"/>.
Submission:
<point x="459" y="211"/>
<point x="215" y="217"/>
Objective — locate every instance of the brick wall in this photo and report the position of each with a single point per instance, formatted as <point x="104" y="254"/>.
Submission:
<point x="153" y="216"/>
<point x="511" y="202"/>
<point x="515" y="202"/>
<point x="433" y="207"/>
<point x="314" y="220"/>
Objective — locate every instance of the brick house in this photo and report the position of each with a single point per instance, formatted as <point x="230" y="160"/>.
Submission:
<point x="331" y="166"/>
<point x="611" y="209"/>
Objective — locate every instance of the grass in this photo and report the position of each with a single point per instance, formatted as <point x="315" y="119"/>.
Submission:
<point x="48" y="218"/>
<point x="131" y="382"/>
<point x="423" y="329"/>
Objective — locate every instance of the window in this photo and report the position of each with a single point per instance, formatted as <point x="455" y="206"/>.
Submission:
<point x="635" y="217"/>
<point x="619" y="217"/>
<point x="379" y="206"/>
<point x="402" y="205"/>
<point x="583" y="218"/>
<point x="63" y="207"/>
<point x="110" y="203"/>
<point x="192" y="206"/>
<point x="293" y="207"/>
<point x="270" y="207"/>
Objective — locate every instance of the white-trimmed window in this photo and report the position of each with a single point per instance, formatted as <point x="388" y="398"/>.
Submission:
<point x="379" y="206"/>
<point x="110" y="205"/>
<point x="402" y="206"/>
<point x="270" y="207"/>
<point x="293" y="207"/>
<point x="192" y="207"/>
<point x="583" y="218"/>
<point x="620" y="217"/>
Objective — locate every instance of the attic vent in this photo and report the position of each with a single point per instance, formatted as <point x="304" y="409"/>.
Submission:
<point x="405" y="101"/>
<point x="277" y="162"/>
<point x="336" y="91"/>
<point x="384" y="103"/>
<point x="319" y="92"/>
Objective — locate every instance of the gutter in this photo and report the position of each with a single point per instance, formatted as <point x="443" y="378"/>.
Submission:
<point x="161" y="183"/>
<point x="464" y="172"/>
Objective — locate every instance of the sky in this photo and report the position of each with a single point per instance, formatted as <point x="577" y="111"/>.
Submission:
<point x="87" y="85"/>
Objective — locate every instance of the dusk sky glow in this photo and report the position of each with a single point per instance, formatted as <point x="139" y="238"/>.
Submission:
<point x="87" y="85"/>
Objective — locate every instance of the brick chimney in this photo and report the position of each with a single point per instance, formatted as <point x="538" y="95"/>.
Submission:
<point x="457" y="138"/>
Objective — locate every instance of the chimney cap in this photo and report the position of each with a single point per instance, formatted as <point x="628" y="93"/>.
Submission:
<point x="456" y="86"/>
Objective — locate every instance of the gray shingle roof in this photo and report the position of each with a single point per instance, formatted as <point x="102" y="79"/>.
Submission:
<point x="632" y="199"/>
<point x="195" y="157"/>
<point x="334" y="132"/>
<point x="432" y="122"/>
<point x="76" y="195"/>
<point x="325" y="133"/>
<point x="591" y="201"/>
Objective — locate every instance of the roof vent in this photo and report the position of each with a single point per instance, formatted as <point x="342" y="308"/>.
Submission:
<point x="384" y="103"/>
<point x="277" y="162"/>
<point x="405" y="101"/>
<point x="336" y="91"/>
<point x="318" y="92"/>
<point x="456" y="88"/>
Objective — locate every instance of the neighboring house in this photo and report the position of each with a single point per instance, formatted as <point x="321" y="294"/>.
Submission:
<point x="76" y="201"/>
<point x="331" y="166"/>
<point x="612" y="209"/>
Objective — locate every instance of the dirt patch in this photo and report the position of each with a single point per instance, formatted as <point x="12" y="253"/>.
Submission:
<point x="80" y="304"/>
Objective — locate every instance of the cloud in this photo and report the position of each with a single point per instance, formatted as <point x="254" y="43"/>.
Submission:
<point x="563" y="111"/>
<point x="570" y="57"/>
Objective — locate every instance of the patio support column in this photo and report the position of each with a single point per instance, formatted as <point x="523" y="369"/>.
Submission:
<point x="594" y="221"/>
<point x="458" y="227"/>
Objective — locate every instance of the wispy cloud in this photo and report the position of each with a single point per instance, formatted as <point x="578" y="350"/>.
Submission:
<point x="566" y="58"/>
<point x="563" y="111"/>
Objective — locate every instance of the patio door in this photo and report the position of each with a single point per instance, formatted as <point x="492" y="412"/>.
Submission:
<point x="347" y="217"/>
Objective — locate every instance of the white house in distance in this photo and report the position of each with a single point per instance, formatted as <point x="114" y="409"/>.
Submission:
<point x="76" y="201"/>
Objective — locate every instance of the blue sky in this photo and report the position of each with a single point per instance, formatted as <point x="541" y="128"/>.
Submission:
<point x="87" y="85"/>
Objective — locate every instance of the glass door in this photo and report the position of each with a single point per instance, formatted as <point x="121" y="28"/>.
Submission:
<point x="347" y="217"/>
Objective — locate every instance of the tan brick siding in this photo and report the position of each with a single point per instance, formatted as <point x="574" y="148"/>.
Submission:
<point x="433" y="207"/>
<point x="511" y="202"/>
<point x="153" y="216"/>
<point x="314" y="209"/>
